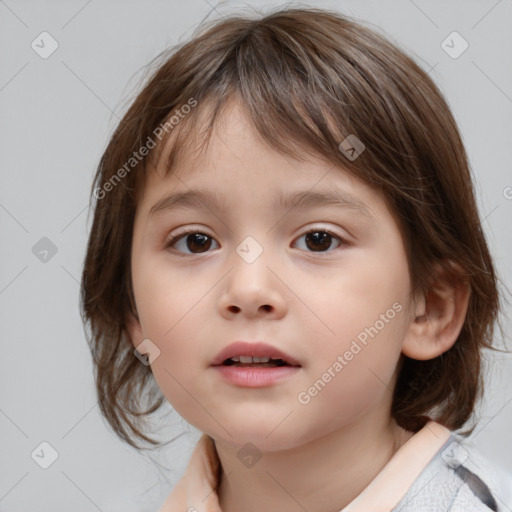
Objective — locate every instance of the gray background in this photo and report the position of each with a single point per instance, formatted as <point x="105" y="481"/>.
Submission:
<point x="56" y="117"/>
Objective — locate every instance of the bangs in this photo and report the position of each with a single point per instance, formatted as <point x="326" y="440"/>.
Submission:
<point x="301" y="103"/>
<point x="293" y="133"/>
<point x="298" y="102"/>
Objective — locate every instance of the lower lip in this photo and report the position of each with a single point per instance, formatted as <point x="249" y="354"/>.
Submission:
<point x="252" y="377"/>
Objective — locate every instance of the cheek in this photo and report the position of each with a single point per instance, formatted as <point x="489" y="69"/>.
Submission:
<point x="365" y="312"/>
<point x="368" y="300"/>
<point x="356" y="369"/>
<point x="172" y="314"/>
<point x="167" y="298"/>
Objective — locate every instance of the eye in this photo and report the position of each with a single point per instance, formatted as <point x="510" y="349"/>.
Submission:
<point x="195" y="241"/>
<point x="319" y="239"/>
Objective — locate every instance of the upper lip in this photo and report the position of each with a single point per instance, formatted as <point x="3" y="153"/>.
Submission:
<point x="255" y="349"/>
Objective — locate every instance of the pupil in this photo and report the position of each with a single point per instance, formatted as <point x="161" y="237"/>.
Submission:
<point x="319" y="237"/>
<point x="198" y="237"/>
<point x="314" y="240"/>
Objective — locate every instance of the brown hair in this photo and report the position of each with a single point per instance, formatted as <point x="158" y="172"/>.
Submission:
<point x="308" y="78"/>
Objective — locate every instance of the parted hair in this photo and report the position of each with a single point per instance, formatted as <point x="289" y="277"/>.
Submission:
<point x="308" y="78"/>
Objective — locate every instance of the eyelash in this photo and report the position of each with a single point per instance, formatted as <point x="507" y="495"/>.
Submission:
<point x="169" y="243"/>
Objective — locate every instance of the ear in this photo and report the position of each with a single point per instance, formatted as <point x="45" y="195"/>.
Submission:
<point x="134" y="330"/>
<point x="438" y="314"/>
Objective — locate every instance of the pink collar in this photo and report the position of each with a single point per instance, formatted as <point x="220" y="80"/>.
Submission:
<point x="391" y="484"/>
<point x="196" y="489"/>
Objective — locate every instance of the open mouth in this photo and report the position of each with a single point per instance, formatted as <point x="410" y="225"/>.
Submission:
<point x="255" y="362"/>
<point x="256" y="371"/>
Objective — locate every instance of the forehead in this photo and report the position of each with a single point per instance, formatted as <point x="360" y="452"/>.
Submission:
<point x="237" y="159"/>
<point x="206" y="133"/>
<point x="193" y="152"/>
<point x="268" y="186"/>
<point x="202" y="140"/>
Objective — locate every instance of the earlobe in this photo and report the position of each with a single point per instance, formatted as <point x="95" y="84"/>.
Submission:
<point x="439" y="315"/>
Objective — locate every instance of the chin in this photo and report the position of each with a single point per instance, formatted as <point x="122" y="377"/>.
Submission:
<point x="243" y="436"/>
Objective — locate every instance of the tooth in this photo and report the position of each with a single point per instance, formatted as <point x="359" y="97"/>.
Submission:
<point x="236" y="359"/>
<point x="264" y="359"/>
<point x="245" y="359"/>
<point x="259" y="359"/>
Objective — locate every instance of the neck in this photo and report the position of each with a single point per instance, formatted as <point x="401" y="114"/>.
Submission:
<point x="323" y="475"/>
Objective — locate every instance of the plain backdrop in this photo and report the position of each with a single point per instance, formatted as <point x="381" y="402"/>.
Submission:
<point x="56" y="116"/>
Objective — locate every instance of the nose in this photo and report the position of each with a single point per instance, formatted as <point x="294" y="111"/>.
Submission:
<point x="254" y="289"/>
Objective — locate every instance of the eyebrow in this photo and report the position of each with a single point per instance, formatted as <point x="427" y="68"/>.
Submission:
<point x="206" y="199"/>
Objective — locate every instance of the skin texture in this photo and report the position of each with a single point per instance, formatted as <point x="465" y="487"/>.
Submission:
<point x="309" y="299"/>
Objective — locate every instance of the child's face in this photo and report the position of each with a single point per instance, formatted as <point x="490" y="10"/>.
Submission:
<point x="341" y="308"/>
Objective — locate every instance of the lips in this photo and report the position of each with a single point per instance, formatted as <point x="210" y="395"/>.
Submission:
<point x="253" y="349"/>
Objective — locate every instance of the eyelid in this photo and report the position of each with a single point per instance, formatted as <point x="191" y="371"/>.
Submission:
<point x="331" y="232"/>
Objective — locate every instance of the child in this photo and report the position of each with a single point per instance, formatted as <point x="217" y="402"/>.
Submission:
<point x="324" y="377"/>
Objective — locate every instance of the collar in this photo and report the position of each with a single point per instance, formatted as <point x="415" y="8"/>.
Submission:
<point x="196" y="489"/>
<point x="391" y="484"/>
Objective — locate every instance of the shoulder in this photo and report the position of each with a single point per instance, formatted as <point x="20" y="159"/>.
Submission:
<point x="490" y="483"/>
<point x="458" y="479"/>
<point x="466" y="501"/>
